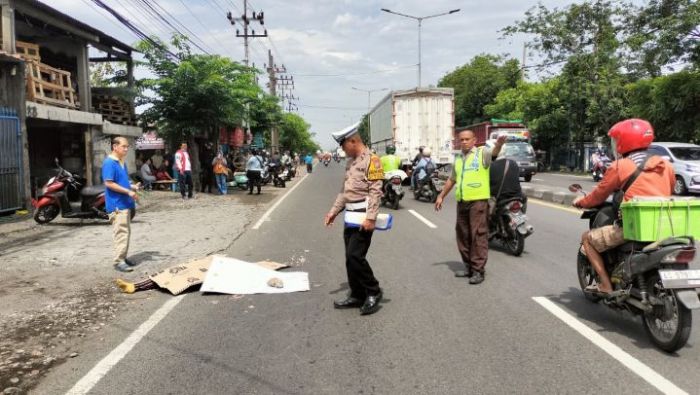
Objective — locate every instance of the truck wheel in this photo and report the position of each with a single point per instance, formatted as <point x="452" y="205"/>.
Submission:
<point x="528" y="178"/>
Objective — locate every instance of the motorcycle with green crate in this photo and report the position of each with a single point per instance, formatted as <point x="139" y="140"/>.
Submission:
<point x="651" y="279"/>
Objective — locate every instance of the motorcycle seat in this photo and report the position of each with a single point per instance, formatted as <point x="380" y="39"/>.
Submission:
<point x="630" y="246"/>
<point x="92" y="191"/>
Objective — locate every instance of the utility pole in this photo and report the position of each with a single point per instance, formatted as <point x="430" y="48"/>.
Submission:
<point x="272" y="71"/>
<point x="245" y="20"/>
<point x="522" y="72"/>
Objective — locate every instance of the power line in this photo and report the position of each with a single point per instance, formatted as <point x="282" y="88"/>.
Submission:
<point x="199" y="21"/>
<point x="177" y="22"/>
<point x="355" y="74"/>
<point x="101" y="12"/>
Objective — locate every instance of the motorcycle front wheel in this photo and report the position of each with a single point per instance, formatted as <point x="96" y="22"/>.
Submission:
<point x="586" y="275"/>
<point x="667" y="325"/>
<point x="395" y="203"/>
<point x="46" y="214"/>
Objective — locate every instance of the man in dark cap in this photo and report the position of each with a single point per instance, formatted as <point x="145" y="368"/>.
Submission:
<point x="361" y="192"/>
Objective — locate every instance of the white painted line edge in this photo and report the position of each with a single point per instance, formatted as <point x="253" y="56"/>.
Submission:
<point x="85" y="384"/>
<point x="271" y="209"/>
<point x="636" y="366"/>
<point x="423" y="219"/>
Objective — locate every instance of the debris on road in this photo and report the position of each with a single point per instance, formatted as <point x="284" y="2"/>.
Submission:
<point x="233" y="276"/>
<point x="275" y="282"/>
<point x="177" y="279"/>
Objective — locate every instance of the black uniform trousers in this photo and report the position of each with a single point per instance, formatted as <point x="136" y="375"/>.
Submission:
<point x="360" y="276"/>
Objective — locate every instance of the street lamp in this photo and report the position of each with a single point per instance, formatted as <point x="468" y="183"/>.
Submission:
<point x="369" y="96"/>
<point x="420" y="24"/>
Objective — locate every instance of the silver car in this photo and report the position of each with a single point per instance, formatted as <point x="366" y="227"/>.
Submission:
<point x="686" y="163"/>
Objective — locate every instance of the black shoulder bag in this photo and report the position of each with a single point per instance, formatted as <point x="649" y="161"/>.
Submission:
<point x="619" y="195"/>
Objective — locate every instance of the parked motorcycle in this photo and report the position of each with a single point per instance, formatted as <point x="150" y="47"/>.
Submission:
<point x="651" y="280"/>
<point x="240" y="180"/>
<point x="393" y="191"/>
<point x="326" y="162"/>
<point x="68" y="195"/>
<point x="289" y="172"/>
<point x="272" y="173"/>
<point x="600" y="168"/>
<point x="509" y="224"/>
<point x="427" y="188"/>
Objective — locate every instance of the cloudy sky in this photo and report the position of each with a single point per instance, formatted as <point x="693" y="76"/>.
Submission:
<point x="331" y="46"/>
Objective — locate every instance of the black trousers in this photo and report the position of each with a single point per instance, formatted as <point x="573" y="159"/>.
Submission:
<point x="360" y="276"/>
<point x="254" y="179"/>
<point x="185" y="179"/>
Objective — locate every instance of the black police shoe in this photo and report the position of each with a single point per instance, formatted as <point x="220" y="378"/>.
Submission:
<point x="347" y="303"/>
<point x="371" y="304"/>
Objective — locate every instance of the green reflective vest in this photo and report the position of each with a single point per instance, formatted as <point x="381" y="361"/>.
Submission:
<point x="472" y="177"/>
<point x="391" y="163"/>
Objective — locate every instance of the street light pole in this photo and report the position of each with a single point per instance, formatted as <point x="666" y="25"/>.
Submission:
<point x="369" y="100"/>
<point x="420" y="28"/>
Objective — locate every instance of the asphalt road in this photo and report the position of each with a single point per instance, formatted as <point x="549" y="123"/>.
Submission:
<point x="561" y="181"/>
<point x="434" y="334"/>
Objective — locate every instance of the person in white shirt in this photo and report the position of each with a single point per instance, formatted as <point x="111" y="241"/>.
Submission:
<point x="147" y="174"/>
<point x="183" y="164"/>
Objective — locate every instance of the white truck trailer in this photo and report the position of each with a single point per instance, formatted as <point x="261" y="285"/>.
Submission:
<point x="409" y="119"/>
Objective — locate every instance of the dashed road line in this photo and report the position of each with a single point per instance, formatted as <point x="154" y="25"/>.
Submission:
<point x="423" y="219"/>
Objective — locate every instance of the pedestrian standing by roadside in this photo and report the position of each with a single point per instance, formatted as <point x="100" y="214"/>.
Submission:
<point x="309" y="160"/>
<point x="253" y="170"/>
<point x="471" y="175"/>
<point x="207" y="177"/>
<point x="220" y="167"/>
<point x="184" y="170"/>
<point x="120" y="198"/>
<point x="362" y="191"/>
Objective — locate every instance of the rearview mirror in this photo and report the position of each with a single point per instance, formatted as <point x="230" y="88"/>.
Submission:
<point x="575" y="188"/>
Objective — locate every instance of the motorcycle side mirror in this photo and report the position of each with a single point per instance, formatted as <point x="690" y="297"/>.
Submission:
<point x="575" y="188"/>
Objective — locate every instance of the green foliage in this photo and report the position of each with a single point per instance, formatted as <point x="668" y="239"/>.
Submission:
<point x="107" y="75"/>
<point x="477" y="83"/>
<point x="363" y="129"/>
<point x="663" y="33"/>
<point x="295" y="135"/>
<point x="670" y="103"/>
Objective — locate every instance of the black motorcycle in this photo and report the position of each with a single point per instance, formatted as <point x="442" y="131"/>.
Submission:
<point x="393" y="192"/>
<point x="509" y="224"/>
<point x="428" y="188"/>
<point x="651" y="280"/>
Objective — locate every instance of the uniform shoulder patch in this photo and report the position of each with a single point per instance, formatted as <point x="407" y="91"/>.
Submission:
<point x="374" y="170"/>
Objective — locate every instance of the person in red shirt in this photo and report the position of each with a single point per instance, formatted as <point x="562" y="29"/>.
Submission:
<point x="630" y="140"/>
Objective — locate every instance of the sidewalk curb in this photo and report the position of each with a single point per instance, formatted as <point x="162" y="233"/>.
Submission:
<point x="563" y="198"/>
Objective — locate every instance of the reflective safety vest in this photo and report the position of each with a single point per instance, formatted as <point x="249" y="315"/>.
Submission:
<point x="472" y="177"/>
<point x="391" y="163"/>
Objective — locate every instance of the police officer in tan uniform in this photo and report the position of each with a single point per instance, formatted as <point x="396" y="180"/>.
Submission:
<point x="362" y="191"/>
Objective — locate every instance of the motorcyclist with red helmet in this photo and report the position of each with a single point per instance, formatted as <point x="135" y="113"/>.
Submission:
<point x="654" y="177"/>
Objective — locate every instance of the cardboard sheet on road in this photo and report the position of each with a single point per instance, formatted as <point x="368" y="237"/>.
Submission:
<point x="233" y="276"/>
<point x="179" y="278"/>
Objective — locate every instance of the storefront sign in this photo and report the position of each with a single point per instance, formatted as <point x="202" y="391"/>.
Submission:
<point x="148" y="141"/>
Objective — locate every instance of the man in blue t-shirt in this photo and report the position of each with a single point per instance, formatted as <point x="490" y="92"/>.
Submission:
<point x="309" y="160"/>
<point x="120" y="197"/>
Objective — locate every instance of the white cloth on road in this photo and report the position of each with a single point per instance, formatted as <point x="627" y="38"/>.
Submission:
<point x="233" y="276"/>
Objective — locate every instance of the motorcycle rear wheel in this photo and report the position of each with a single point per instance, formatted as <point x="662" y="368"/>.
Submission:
<point x="667" y="334"/>
<point x="515" y="245"/>
<point x="586" y="275"/>
<point x="46" y="214"/>
<point x="395" y="204"/>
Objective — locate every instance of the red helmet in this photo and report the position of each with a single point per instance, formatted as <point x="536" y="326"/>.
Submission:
<point x="631" y="135"/>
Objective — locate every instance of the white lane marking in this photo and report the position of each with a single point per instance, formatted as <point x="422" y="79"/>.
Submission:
<point x="632" y="363"/>
<point x="107" y="363"/>
<point x="423" y="219"/>
<point x="271" y="209"/>
<point x="537" y="179"/>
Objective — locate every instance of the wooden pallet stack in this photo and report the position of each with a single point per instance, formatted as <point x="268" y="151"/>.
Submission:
<point x="114" y="109"/>
<point x="46" y="84"/>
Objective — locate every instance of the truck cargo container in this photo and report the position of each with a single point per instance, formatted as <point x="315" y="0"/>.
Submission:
<point x="409" y="119"/>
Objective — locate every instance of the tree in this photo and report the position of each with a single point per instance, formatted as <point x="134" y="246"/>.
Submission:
<point x="663" y="33"/>
<point x="363" y="129"/>
<point x="670" y="103"/>
<point x="295" y="135"/>
<point x="477" y="83"/>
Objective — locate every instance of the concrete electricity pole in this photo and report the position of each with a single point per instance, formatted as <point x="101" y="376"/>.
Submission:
<point x="245" y="20"/>
<point x="272" y="71"/>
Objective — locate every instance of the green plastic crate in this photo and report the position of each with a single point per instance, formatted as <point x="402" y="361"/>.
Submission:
<point x="652" y="219"/>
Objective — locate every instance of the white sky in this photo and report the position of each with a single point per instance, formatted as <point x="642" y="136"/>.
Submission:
<point x="343" y="37"/>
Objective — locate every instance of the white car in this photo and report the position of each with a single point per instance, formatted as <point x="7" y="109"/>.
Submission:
<point x="686" y="163"/>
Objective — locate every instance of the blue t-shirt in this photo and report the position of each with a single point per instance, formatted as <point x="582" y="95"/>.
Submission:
<point x="113" y="171"/>
<point x="308" y="159"/>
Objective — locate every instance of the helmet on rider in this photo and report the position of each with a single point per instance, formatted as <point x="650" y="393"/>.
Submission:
<point x="427" y="151"/>
<point x="390" y="150"/>
<point x="631" y="135"/>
